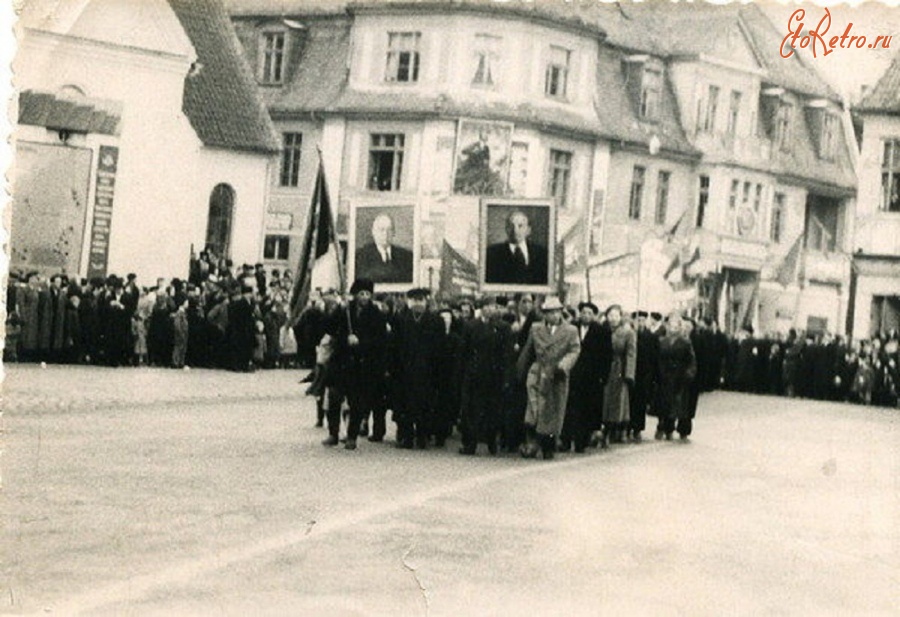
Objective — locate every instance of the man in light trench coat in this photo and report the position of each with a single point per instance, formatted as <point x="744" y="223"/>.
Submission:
<point x="548" y="356"/>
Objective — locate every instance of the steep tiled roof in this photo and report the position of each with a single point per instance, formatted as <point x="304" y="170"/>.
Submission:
<point x="885" y="95"/>
<point x="221" y="99"/>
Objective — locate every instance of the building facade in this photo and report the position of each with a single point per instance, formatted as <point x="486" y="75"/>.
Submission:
<point x="701" y="173"/>
<point x="140" y="135"/>
<point x="876" y="257"/>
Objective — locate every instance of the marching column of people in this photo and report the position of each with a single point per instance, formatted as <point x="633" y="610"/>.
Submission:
<point x="505" y="375"/>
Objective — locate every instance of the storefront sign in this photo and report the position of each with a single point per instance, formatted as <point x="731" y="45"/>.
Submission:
<point x="103" y="207"/>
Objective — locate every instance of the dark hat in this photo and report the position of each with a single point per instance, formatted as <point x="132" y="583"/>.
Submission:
<point x="132" y="276"/>
<point x="487" y="301"/>
<point x="643" y="314"/>
<point x="362" y="285"/>
<point x="245" y="289"/>
<point x="502" y="300"/>
<point x="590" y="305"/>
<point x="417" y="293"/>
<point x="656" y="316"/>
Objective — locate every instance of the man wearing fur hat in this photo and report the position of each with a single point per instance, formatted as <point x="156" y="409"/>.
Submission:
<point x="547" y="359"/>
<point x="359" y="335"/>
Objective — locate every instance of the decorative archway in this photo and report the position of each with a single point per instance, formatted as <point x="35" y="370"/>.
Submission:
<point x="219" y="222"/>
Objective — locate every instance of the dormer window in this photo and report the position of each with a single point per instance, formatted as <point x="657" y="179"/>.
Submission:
<point x="487" y="59"/>
<point x="274" y="46"/>
<point x="403" y="57"/>
<point x="828" y="142"/>
<point x="784" y="126"/>
<point x="651" y="87"/>
<point x="734" y="112"/>
<point x="557" y="75"/>
<point x="712" y="109"/>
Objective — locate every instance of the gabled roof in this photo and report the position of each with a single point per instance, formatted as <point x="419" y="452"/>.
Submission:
<point x="884" y="96"/>
<point x="221" y="99"/>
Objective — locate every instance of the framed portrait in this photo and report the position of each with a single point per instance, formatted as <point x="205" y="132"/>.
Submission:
<point x="517" y="245"/>
<point x="384" y="246"/>
<point x="481" y="164"/>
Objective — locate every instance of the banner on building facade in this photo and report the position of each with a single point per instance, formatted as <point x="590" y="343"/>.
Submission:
<point x="107" y="165"/>
<point x="459" y="276"/>
<point x="482" y="157"/>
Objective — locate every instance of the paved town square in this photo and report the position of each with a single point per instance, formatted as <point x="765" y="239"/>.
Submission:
<point x="151" y="491"/>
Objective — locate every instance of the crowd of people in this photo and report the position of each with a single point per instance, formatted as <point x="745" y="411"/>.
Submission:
<point x="221" y="317"/>
<point x="502" y="371"/>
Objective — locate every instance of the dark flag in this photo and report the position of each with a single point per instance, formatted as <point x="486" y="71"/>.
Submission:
<point x="320" y="261"/>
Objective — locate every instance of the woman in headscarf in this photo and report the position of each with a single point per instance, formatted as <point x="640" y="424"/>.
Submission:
<point x="677" y="371"/>
<point x="616" y="393"/>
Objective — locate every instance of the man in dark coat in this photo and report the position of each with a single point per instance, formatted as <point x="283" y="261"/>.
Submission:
<point x="449" y="383"/>
<point x="117" y="325"/>
<point x="416" y="347"/>
<point x="516" y="395"/>
<point x="718" y="350"/>
<point x="485" y="362"/>
<point x="359" y="334"/>
<point x="645" y="377"/>
<point x="518" y="260"/>
<point x="677" y="370"/>
<point x="584" y="407"/>
<point x="240" y="334"/>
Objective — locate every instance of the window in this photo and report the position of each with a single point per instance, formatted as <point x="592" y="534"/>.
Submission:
<point x="662" y="197"/>
<point x="386" y="162"/>
<point x="403" y="57"/>
<point x="757" y="198"/>
<point x="733" y="196"/>
<point x="560" y="172"/>
<point x="518" y="168"/>
<point x="712" y="108"/>
<point x="829" y="137"/>
<point x="776" y="228"/>
<point x="487" y="58"/>
<point x="277" y="248"/>
<point x="890" y="176"/>
<point x="745" y="201"/>
<point x="734" y="112"/>
<point x="273" y="58"/>
<point x="702" y="199"/>
<point x="783" y="126"/>
<point x="651" y="85"/>
<point x="637" y="190"/>
<point x="557" y="74"/>
<point x="291" y="144"/>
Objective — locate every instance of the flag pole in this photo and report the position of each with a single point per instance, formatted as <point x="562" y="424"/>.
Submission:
<point x="334" y="240"/>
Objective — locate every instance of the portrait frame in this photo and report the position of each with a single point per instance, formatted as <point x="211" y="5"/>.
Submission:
<point x="542" y="219"/>
<point x="405" y="216"/>
<point x="494" y="181"/>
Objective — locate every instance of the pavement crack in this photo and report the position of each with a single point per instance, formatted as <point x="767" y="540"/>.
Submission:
<point x="415" y="574"/>
<point x="309" y="527"/>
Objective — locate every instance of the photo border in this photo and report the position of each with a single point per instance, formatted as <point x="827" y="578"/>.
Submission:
<point x="356" y="204"/>
<point x="550" y="287"/>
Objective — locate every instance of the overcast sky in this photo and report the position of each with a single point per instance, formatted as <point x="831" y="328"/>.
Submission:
<point x="848" y="69"/>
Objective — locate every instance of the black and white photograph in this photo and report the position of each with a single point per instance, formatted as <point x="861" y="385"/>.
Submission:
<point x="516" y="239"/>
<point x="449" y="308"/>
<point x="482" y="157"/>
<point x="384" y="241"/>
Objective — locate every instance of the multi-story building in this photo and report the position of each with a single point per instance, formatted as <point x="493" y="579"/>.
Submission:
<point x="876" y="257"/>
<point x="139" y="134"/>
<point x="684" y="168"/>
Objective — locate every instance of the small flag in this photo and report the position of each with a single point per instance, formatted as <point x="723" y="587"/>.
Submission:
<point x="320" y="264"/>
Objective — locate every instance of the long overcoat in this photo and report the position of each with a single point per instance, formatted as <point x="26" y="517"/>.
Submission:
<point x="484" y="359"/>
<point x="415" y="347"/>
<point x="548" y="358"/>
<point x="677" y="370"/>
<point x="616" y="398"/>
<point x="27" y="305"/>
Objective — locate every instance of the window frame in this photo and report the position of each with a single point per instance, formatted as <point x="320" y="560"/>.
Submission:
<point x="776" y="221"/>
<point x="398" y="152"/>
<point x="663" y="189"/>
<point x="279" y="242"/>
<point x="564" y="169"/>
<point x="890" y="176"/>
<point x="734" y="112"/>
<point x="703" y="191"/>
<point x="487" y="57"/>
<point x="636" y="194"/>
<point x="292" y="154"/>
<point x="829" y="137"/>
<point x="784" y="126"/>
<point x="712" y="108"/>
<point x="651" y="93"/>
<point x="560" y="92"/>
<point x="266" y="70"/>
<point x="394" y="57"/>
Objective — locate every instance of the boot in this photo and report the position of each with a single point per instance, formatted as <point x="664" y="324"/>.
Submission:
<point x="636" y="437"/>
<point x="604" y="438"/>
<point x="330" y="441"/>
<point x="548" y="446"/>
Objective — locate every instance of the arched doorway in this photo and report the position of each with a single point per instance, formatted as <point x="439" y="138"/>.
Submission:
<point x="218" y="226"/>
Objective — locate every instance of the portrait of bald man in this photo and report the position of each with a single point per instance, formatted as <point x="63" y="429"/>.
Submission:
<point x="518" y="260"/>
<point x="380" y="259"/>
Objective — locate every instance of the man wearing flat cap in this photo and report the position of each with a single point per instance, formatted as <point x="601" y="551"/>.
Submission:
<point x="359" y="335"/>
<point x="546" y="362"/>
<point x="584" y="411"/>
<point x="645" y="378"/>
<point x="416" y="346"/>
